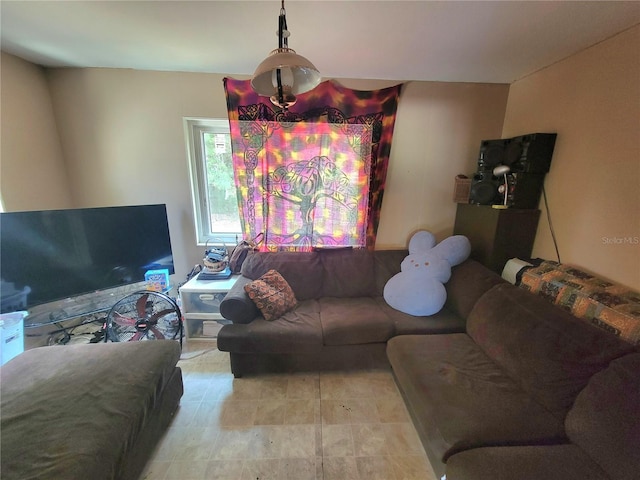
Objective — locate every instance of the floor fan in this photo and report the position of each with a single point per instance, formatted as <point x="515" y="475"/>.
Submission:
<point x="144" y="315"/>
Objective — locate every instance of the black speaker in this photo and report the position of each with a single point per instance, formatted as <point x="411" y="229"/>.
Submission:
<point x="491" y="154"/>
<point x="528" y="158"/>
<point x="530" y="153"/>
<point x="484" y="188"/>
<point x="524" y="190"/>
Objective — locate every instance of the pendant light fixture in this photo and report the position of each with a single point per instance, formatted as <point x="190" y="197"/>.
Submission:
<point x="284" y="74"/>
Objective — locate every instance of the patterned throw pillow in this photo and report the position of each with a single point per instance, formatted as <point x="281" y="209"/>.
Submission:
<point x="272" y="295"/>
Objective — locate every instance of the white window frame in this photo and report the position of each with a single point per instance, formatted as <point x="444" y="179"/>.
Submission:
<point x="194" y="128"/>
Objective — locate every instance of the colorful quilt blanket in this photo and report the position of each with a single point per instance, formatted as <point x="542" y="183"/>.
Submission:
<point x="606" y="305"/>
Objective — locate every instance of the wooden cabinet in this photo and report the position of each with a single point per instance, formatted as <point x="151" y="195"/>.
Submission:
<point x="496" y="235"/>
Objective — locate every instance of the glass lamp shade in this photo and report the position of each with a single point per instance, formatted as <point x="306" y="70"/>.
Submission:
<point x="298" y="75"/>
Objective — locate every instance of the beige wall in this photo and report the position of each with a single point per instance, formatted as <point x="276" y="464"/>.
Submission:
<point x="437" y="136"/>
<point x="123" y="135"/>
<point x="592" y="100"/>
<point x="123" y="138"/>
<point x="32" y="170"/>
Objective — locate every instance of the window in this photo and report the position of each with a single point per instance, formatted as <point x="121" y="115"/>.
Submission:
<point x="212" y="185"/>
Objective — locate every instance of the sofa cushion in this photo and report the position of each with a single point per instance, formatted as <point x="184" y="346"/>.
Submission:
<point x="272" y="295"/>
<point x="297" y="331"/>
<point x="549" y="462"/>
<point x="386" y="264"/>
<point x="549" y="352"/>
<point x="302" y="270"/>
<point x="469" y="281"/>
<point x="460" y="399"/>
<point x="347" y="273"/>
<point x="605" y="418"/>
<point x="444" y="321"/>
<point x="354" y="321"/>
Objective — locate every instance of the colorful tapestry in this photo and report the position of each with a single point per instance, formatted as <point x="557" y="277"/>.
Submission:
<point x="606" y="305"/>
<point x="314" y="175"/>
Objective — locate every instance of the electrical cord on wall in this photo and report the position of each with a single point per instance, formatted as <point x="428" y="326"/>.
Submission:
<point x="553" y="233"/>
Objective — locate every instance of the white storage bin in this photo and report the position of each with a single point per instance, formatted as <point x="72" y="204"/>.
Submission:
<point x="210" y="328"/>
<point x="202" y="302"/>
<point x="11" y="335"/>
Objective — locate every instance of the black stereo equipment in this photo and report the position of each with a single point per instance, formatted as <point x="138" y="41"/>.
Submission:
<point x="491" y="154"/>
<point x="528" y="153"/>
<point x="484" y="188"/>
<point x="524" y="190"/>
<point x="528" y="158"/>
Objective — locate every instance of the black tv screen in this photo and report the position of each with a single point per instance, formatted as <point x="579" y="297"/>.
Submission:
<point x="55" y="254"/>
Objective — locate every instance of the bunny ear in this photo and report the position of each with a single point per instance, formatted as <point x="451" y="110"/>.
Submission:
<point x="421" y="242"/>
<point x="455" y="249"/>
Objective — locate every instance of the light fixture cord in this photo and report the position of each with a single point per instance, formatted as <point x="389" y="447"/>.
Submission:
<point x="282" y="43"/>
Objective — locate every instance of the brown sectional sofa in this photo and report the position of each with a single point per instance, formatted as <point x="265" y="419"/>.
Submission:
<point x="602" y="431"/>
<point x="501" y="384"/>
<point x="497" y="400"/>
<point x="341" y="319"/>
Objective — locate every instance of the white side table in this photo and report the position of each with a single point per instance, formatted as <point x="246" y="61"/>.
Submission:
<point x="200" y="305"/>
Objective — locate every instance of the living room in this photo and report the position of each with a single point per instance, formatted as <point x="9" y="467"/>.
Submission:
<point x="109" y="136"/>
<point x="80" y="136"/>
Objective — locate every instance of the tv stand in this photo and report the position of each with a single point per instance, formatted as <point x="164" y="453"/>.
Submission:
<point x="49" y="322"/>
<point x="73" y="308"/>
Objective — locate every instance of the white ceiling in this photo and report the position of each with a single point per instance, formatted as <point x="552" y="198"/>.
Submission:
<point x="453" y="41"/>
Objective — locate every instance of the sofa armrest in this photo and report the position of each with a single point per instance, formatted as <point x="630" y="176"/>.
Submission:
<point x="236" y="305"/>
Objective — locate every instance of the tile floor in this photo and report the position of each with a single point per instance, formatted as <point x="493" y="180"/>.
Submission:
<point x="316" y="426"/>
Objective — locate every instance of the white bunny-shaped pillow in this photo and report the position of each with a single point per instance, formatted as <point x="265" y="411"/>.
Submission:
<point x="419" y="287"/>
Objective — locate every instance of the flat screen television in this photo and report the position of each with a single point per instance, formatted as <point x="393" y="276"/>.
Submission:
<point x="56" y="254"/>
